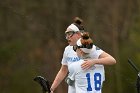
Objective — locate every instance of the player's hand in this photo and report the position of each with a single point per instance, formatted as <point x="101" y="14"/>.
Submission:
<point x="51" y="90"/>
<point x="87" y="64"/>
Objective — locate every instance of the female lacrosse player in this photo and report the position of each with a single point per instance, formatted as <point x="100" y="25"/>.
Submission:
<point x="73" y="34"/>
<point x="86" y="77"/>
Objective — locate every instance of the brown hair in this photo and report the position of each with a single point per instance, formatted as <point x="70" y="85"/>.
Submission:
<point x="86" y="40"/>
<point x="79" y="23"/>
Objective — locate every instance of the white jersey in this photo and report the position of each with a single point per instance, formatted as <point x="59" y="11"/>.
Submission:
<point x="86" y="81"/>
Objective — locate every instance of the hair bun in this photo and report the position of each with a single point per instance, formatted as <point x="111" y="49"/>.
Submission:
<point x="85" y="35"/>
<point x="78" y="20"/>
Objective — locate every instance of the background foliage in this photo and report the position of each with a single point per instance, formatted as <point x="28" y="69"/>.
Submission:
<point x="32" y="40"/>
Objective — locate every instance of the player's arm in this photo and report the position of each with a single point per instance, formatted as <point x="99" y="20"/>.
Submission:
<point x="59" y="77"/>
<point x="104" y="59"/>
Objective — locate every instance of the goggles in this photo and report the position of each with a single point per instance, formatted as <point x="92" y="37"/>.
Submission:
<point x="89" y="46"/>
<point x="69" y="34"/>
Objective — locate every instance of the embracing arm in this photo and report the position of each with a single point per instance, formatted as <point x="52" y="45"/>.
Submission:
<point x="59" y="77"/>
<point x="104" y="59"/>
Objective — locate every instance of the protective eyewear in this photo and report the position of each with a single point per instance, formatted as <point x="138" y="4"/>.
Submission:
<point x="69" y="34"/>
<point x="88" y="46"/>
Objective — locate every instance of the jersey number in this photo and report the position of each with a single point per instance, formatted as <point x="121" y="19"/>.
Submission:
<point x="97" y="81"/>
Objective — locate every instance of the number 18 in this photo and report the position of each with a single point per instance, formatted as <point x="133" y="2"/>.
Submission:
<point x="97" y="81"/>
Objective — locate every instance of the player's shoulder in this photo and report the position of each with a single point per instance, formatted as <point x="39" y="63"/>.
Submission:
<point x="68" y="47"/>
<point x="96" y="48"/>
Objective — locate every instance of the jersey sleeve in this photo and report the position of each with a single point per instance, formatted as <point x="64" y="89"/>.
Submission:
<point x="96" y="52"/>
<point x="64" y="59"/>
